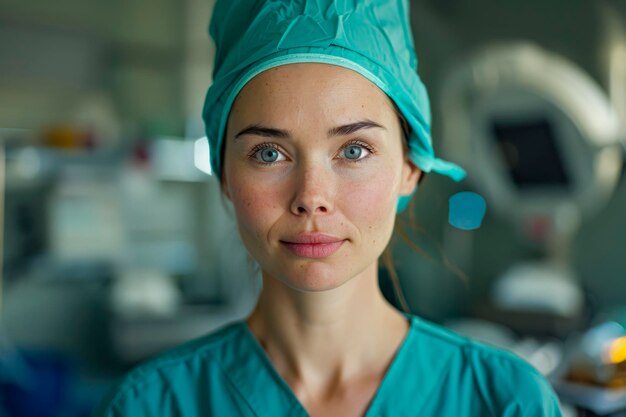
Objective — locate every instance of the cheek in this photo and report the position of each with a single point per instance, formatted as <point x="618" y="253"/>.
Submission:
<point x="256" y="207"/>
<point x="372" y="200"/>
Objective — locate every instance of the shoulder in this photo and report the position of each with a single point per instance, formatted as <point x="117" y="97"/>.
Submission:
<point x="517" y="387"/>
<point x="506" y="383"/>
<point x="168" y="377"/>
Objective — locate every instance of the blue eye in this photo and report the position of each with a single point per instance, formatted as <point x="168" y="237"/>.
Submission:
<point x="268" y="155"/>
<point x="355" y="152"/>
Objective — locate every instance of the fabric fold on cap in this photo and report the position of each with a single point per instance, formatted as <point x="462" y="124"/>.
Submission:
<point x="370" y="37"/>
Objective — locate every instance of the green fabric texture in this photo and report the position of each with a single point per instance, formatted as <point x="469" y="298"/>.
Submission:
<point x="370" y="37"/>
<point x="434" y="373"/>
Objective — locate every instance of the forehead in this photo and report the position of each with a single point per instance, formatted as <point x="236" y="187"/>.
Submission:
<point x="312" y="91"/>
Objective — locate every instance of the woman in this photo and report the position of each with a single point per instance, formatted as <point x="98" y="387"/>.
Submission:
<point x="305" y="120"/>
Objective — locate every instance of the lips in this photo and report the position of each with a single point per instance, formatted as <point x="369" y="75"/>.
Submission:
<point x="313" y="245"/>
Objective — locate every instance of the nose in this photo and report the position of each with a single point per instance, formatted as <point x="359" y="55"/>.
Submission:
<point x="313" y="192"/>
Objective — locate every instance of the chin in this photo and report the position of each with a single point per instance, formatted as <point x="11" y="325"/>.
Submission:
<point x="313" y="277"/>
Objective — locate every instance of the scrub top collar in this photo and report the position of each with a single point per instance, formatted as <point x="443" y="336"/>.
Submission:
<point x="263" y="388"/>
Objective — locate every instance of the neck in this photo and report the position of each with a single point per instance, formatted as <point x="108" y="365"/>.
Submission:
<point x="326" y="337"/>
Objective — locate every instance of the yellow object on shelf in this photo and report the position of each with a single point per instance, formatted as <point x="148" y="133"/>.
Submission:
<point x="616" y="352"/>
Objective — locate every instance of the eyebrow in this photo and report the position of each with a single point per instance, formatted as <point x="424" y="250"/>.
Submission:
<point x="260" y="130"/>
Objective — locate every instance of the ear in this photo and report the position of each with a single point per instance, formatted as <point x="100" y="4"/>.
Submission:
<point x="410" y="176"/>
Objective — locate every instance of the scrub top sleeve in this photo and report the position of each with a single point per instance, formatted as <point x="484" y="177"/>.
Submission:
<point x="132" y="402"/>
<point x="523" y="391"/>
<point x="536" y="399"/>
<point x="508" y="385"/>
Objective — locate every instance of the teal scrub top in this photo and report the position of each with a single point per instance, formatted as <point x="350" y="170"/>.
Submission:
<point x="435" y="372"/>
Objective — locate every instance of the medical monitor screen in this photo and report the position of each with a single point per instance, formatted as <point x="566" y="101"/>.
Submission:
<point x="531" y="153"/>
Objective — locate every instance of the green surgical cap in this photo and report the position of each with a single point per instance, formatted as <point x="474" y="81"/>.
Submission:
<point x="371" y="37"/>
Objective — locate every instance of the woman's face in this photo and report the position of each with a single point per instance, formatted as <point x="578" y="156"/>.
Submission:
<point x="314" y="153"/>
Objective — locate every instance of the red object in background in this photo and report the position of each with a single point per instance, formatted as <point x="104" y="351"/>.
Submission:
<point x="538" y="228"/>
<point x="141" y="155"/>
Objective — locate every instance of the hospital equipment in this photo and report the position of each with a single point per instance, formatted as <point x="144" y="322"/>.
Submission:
<point x="541" y="141"/>
<point x="593" y="376"/>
